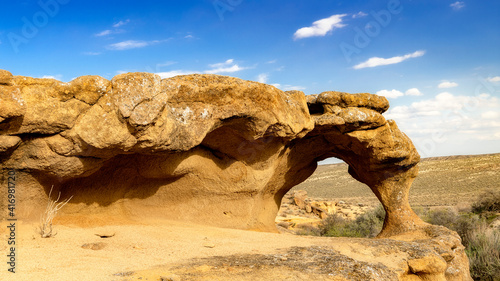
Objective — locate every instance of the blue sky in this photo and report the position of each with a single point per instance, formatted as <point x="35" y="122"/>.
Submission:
<point x="438" y="62"/>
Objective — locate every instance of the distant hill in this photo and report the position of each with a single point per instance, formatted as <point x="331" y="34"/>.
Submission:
<point x="442" y="181"/>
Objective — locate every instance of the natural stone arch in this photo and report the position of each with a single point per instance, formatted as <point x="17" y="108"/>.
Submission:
<point x="377" y="152"/>
<point x="203" y="148"/>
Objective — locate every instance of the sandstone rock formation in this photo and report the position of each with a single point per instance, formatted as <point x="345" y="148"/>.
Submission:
<point x="202" y="148"/>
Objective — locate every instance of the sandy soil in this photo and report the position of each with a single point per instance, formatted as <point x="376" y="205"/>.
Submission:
<point x="163" y="250"/>
<point x="166" y="250"/>
<point x="135" y="252"/>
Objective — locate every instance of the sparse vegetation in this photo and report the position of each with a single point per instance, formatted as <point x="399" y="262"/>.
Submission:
<point x="482" y="243"/>
<point x="444" y="181"/>
<point x="451" y="181"/>
<point x="53" y="206"/>
<point x="366" y="225"/>
<point x="489" y="201"/>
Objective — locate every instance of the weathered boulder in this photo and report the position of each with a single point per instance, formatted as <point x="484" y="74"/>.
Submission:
<point x="201" y="148"/>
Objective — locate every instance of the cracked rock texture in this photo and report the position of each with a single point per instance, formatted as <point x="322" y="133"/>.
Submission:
<point x="200" y="148"/>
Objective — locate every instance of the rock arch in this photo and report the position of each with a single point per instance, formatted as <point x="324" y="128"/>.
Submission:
<point x="203" y="148"/>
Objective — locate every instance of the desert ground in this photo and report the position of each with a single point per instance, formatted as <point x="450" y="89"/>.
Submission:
<point x="442" y="181"/>
<point x="166" y="250"/>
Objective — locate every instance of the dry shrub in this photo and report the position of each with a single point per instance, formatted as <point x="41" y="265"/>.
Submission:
<point x="53" y="206"/>
<point x="482" y="243"/>
<point x="483" y="251"/>
<point x="489" y="201"/>
<point x="368" y="224"/>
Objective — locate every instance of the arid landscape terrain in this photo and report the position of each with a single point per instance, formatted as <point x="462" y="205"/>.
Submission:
<point x="162" y="250"/>
<point x="442" y="181"/>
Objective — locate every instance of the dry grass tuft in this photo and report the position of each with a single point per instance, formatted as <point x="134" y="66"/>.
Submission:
<point x="53" y="206"/>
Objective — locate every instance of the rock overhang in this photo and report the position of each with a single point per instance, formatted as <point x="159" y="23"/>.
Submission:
<point x="198" y="136"/>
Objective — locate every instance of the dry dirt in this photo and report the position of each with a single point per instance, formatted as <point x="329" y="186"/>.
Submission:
<point x="163" y="250"/>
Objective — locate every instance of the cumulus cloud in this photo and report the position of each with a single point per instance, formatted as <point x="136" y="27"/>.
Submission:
<point x="229" y="66"/>
<point x="173" y="73"/>
<point x="390" y="94"/>
<point x="457" y="5"/>
<point x="393" y="94"/>
<point x="262" y="78"/>
<point x="376" y="61"/>
<point x="57" y="77"/>
<point x="447" y="84"/>
<point x="446" y="102"/>
<point x="225" y="67"/>
<point x="320" y="27"/>
<point x="413" y="92"/>
<point x="491" y="115"/>
<point x="288" y="87"/>
<point x="494" y="79"/>
<point x="451" y="124"/>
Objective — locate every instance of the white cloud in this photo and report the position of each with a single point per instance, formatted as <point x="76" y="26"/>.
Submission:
<point x="113" y="31"/>
<point x="222" y="64"/>
<point x="491" y="115"/>
<point x="262" y="78"/>
<point x="446" y="102"/>
<point x="291" y="88"/>
<point x="447" y="84"/>
<point x="133" y="44"/>
<point x="395" y="93"/>
<point x="494" y="79"/>
<point x="121" y="23"/>
<point x="413" y="92"/>
<point x="376" y="61"/>
<point x="57" y="77"/>
<point x="189" y="36"/>
<point x="390" y="94"/>
<point x="288" y="87"/>
<point x="230" y="69"/>
<point x="359" y="15"/>
<point x="104" y="33"/>
<point x="173" y="73"/>
<point x="450" y="124"/>
<point x="126" y="45"/>
<point x="320" y="27"/>
<point x="272" y="61"/>
<point x="457" y="5"/>
<point x="224" y="67"/>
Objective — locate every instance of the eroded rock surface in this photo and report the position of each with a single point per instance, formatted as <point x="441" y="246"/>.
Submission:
<point x="201" y="148"/>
